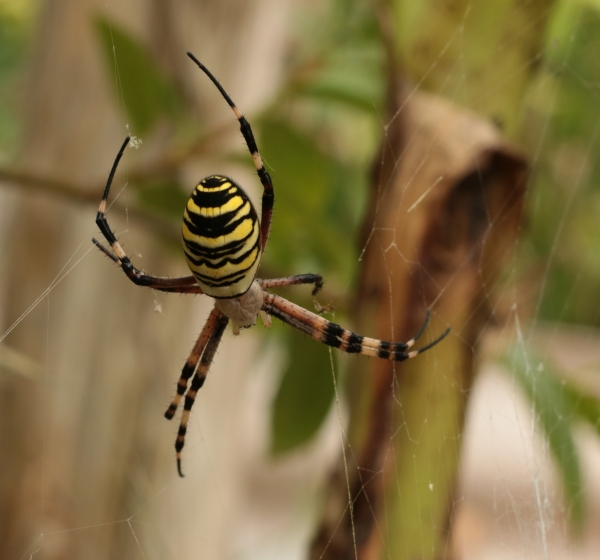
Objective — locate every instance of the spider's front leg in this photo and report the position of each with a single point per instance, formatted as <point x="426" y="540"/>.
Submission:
<point x="184" y="284"/>
<point x="268" y="197"/>
<point x="286" y="281"/>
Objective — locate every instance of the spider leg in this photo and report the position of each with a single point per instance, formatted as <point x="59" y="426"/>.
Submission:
<point x="197" y="381"/>
<point x="334" y="335"/>
<point x="268" y="197"/>
<point x="192" y="361"/>
<point x="315" y="279"/>
<point x="184" y="284"/>
<point x="181" y="285"/>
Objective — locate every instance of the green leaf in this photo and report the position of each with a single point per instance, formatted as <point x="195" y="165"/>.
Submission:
<point x="145" y="91"/>
<point x="306" y="201"/>
<point x="563" y="98"/>
<point x="14" y="44"/>
<point x="304" y="396"/>
<point x="554" y="411"/>
<point x="584" y="406"/>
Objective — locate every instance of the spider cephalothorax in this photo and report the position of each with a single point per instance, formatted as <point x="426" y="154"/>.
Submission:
<point x="223" y="242"/>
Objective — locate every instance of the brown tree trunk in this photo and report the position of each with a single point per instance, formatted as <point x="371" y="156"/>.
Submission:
<point x="446" y="202"/>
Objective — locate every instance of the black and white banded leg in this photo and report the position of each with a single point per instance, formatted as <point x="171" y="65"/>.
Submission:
<point x="197" y="382"/>
<point x="184" y="284"/>
<point x="268" y="197"/>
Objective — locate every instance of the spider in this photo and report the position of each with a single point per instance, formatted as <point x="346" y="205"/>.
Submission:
<point x="223" y="241"/>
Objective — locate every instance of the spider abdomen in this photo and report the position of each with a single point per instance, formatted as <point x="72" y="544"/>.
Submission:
<point x="221" y="237"/>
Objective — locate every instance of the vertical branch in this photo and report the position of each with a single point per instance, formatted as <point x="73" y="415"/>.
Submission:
<point x="445" y="208"/>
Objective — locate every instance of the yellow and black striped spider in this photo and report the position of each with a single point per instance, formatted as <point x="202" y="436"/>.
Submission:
<point x="223" y="241"/>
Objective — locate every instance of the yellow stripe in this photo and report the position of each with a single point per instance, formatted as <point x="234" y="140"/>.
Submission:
<point x="244" y="248"/>
<point x="238" y="233"/>
<point x="224" y="186"/>
<point x="213" y="211"/>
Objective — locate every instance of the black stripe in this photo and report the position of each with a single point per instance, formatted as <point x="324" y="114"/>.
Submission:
<point x="204" y="230"/>
<point x="210" y="281"/>
<point x="215" y="181"/>
<point x="201" y="251"/>
<point x="266" y="178"/>
<point x="400" y="356"/>
<point x="395" y="350"/>
<point x="215" y="199"/>
<point x="210" y="263"/>
<point x="180" y="439"/>
<point x="246" y="131"/>
<point x="354" y="344"/>
<point x="334" y="329"/>
<point x="220" y="282"/>
<point x="224" y="222"/>
<point x="332" y="335"/>
<point x="170" y="412"/>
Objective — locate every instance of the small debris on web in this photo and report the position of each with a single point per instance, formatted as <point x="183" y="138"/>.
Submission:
<point x="320" y="309"/>
<point x="135" y="142"/>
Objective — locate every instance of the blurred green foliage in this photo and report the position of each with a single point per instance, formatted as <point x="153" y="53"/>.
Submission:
<point x="555" y="409"/>
<point x="563" y="242"/>
<point x="16" y="28"/>
<point x="559" y="406"/>
<point x="312" y="200"/>
<point x="144" y="90"/>
<point x="166" y="196"/>
<point x="304" y="395"/>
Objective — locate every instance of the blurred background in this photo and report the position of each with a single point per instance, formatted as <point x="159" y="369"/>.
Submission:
<point x="377" y="121"/>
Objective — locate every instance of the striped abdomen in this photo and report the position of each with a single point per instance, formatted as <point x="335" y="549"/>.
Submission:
<point x="221" y="237"/>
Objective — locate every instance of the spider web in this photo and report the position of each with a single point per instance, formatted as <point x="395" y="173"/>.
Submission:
<point x="235" y="502"/>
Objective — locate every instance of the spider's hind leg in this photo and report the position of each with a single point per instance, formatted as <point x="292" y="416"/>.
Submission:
<point x="192" y="361"/>
<point x="336" y="336"/>
<point x="197" y="381"/>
